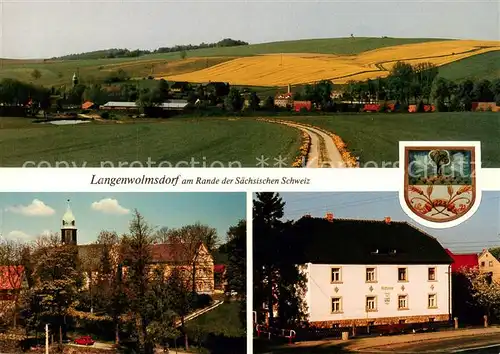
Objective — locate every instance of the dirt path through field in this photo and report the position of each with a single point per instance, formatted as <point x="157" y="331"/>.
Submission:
<point x="322" y="153"/>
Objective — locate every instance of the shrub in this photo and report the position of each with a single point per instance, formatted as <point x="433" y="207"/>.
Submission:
<point x="202" y="300"/>
<point x="420" y="107"/>
<point x="105" y="115"/>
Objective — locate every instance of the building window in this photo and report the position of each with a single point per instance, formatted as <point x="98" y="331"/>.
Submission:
<point x="336" y="304"/>
<point x="432" y="301"/>
<point x="370" y="275"/>
<point x="432" y="274"/>
<point x="431" y="319"/>
<point x="371" y="303"/>
<point x="482" y="264"/>
<point x="402" y="274"/>
<point x="336" y="278"/>
<point x="402" y="321"/>
<point x="490" y="263"/>
<point x="402" y="302"/>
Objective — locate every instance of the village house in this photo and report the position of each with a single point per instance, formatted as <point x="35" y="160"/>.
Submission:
<point x="489" y="264"/>
<point x="373" y="272"/>
<point x="12" y="282"/>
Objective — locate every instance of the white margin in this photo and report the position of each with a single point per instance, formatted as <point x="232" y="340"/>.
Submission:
<point x="249" y="255"/>
<point x="478" y="186"/>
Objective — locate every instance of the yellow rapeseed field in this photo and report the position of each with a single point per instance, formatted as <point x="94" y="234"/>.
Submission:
<point x="280" y="70"/>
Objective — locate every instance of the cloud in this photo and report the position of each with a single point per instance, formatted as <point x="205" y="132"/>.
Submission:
<point x="109" y="206"/>
<point x="36" y="208"/>
<point x="17" y="234"/>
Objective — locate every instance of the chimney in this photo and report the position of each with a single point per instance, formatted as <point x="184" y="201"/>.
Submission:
<point x="289" y="88"/>
<point x="329" y="217"/>
<point x="387" y="220"/>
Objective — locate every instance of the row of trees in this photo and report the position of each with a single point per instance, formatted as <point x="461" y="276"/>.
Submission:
<point x="126" y="53"/>
<point x="129" y="296"/>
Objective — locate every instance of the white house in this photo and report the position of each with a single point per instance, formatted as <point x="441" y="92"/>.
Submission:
<point x="373" y="272"/>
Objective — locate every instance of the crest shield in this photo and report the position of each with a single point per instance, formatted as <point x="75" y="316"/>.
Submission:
<point x="440" y="186"/>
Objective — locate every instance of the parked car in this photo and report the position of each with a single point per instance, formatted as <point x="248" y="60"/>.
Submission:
<point x="85" y="340"/>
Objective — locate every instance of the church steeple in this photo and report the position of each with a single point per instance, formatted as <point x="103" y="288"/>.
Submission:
<point x="68" y="229"/>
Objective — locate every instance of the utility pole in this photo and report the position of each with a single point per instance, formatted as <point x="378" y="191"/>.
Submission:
<point x="46" y="339"/>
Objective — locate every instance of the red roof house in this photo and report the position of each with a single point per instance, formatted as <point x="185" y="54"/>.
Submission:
<point x="299" y="105"/>
<point x="11" y="277"/>
<point x="460" y="261"/>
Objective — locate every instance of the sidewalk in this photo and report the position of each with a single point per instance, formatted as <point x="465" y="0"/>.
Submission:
<point x="377" y="342"/>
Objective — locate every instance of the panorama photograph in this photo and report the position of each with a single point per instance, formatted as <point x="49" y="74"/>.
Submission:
<point x="123" y="273"/>
<point x="324" y="84"/>
<point x="350" y="272"/>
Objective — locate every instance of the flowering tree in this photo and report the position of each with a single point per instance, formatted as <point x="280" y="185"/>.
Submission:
<point x="484" y="290"/>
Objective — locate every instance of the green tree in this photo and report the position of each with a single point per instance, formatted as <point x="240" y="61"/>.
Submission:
<point x="183" y="54"/>
<point x="267" y="225"/>
<point x="181" y="299"/>
<point x="253" y="101"/>
<point x="164" y="89"/>
<point x="95" y="94"/>
<point x="149" y="99"/>
<point x="236" y="268"/>
<point x="57" y="280"/>
<point x="269" y="103"/>
<point x="234" y="101"/>
<point x="36" y="74"/>
<point x="136" y="248"/>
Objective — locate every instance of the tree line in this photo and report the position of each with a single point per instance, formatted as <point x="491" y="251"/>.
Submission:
<point x="126" y="53"/>
<point x="114" y="289"/>
<point x="407" y="84"/>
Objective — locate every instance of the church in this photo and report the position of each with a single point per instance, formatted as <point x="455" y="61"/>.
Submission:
<point x="166" y="255"/>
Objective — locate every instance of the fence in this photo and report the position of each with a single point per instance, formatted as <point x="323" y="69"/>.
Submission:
<point x="304" y="334"/>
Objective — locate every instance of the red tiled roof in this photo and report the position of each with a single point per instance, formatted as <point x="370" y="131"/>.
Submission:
<point x="87" y="105"/>
<point x="11" y="277"/>
<point x="219" y="268"/>
<point x="171" y="252"/>
<point x="469" y="260"/>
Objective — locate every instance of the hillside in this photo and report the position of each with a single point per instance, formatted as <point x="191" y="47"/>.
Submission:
<point x="353" y="53"/>
<point x="481" y="66"/>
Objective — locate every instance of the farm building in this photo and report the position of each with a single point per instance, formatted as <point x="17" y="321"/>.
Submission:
<point x="180" y="87"/>
<point x="485" y="106"/>
<point x="465" y="260"/>
<point x="284" y="100"/>
<point x="300" y="105"/>
<point x="171" y="105"/>
<point x="488" y="263"/>
<point x="372" y="272"/>
<point x="89" y="105"/>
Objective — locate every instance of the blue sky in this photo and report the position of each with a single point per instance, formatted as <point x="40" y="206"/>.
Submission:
<point x="41" y="28"/>
<point x="26" y="215"/>
<point x="480" y="231"/>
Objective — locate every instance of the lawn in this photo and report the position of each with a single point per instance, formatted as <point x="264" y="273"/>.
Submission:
<point x="223" y="320"/>
<point x="375" y="137"/>
<point x="210" y="142"/>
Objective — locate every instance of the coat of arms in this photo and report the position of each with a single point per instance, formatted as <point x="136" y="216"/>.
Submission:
<point x="440" y="181"/>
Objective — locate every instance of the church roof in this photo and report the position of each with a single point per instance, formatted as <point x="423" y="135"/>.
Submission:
<point x="68" y="220"/>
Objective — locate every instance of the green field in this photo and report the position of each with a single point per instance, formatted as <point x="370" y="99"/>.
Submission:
<point x="209" y="141"/>
<point x="481" y="66"/>
<point x="373" y="137"/>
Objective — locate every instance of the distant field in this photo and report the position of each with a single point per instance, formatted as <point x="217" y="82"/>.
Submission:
<point x="59" y="72"/>
<point x="372" y="137"/>
<point x="481" y="66"/>
<point x="209" y="141"/>
<point x="300" y="68"/>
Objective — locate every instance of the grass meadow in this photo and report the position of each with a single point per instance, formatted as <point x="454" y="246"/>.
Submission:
<point x="372" y="137"/>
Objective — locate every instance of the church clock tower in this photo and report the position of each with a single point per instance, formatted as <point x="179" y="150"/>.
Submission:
<point x="68" y="229"/>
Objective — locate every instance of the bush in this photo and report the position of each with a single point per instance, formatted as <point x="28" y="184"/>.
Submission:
<point x="420" y="107"/>
<point x="85" y="111"/>
<point x="202" y="300"/>
<point x="105" y="115"/>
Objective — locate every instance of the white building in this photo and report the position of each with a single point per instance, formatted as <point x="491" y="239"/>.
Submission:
<point x="367" y="272"/>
